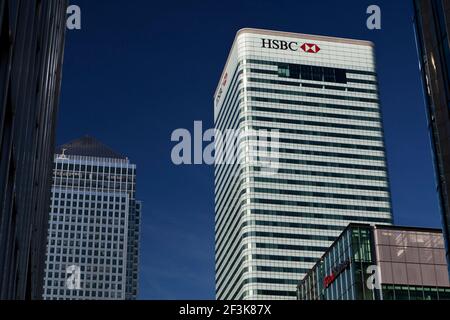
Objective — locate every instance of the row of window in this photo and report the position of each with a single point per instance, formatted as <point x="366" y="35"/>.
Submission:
<point x="325" y="174"/>
<point x="311" y="85"/>
<point x="98" y="213"/>
<point x="91" y="176"/>
<point x="269" y="281"/>
<point x="315" y="114"/>
<point x="319" y="194"/>
<point x="83" y="252"/>
<point x="82" y="235"/>
<point x="318" y="153"/>
<point x="88" y="273"/>
<point x="89" y="282"/>
<point x="81" y="196"/>
<point x="297" y="236"/>
<point x="315" y="104"/>
<point x="314" y="73"/>
<point x="55" y="241"/>
<point x="276" y="293"/>
<point x="88" y="270"/>
<point x="320" y="216"/>
<point x="281" y="224"/>
<point x="67" y="294"/>
<point x="290" y="247"/>
<point x="88" y="185"/>
<point x="284" y="258"/>
<point x="312" y="123"/>
<point x="104" y="205"/>
<point x="395" y="292"/>
<point x="274" y="63"/>
<point x="93" y="169"/>
<point x="315" y="143"/>
<point x="319" y="205"/>
<point x="319" y="184"/>
<point x="312" y="95"/>
<point x="104" y="230"/>
<point x="57" y="266"/>
<point x="77" y="219"/>
<point x="319" y="133"/>
<point x="326" y="164"/>
<point x="62" y="258"/>
<point x="349" y="80"/>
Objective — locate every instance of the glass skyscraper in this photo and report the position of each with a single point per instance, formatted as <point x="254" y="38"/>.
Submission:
<point x="320" y="96"/>
<point x="432" y="21"/>
<point x="93" y="237"/>
<point x="32" y="36"/>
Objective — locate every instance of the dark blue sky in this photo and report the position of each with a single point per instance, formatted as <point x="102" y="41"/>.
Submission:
<point x="139" y="69"/>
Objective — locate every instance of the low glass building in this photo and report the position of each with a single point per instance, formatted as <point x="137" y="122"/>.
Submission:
<point x="380" y="263"/>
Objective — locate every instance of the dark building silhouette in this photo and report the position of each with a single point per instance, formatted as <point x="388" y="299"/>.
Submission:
<point x="432" y="22"/>
<point x="31" y="55"/>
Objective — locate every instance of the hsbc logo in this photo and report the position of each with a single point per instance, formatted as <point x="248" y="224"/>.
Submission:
<point x="222" y="86"/>
<point x="289" y="46"/>
<point x="225" y="80"/>
<point x="310" y="48"/>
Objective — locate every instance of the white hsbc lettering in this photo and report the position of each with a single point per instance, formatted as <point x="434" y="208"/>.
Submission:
<point x="280" y="44"/>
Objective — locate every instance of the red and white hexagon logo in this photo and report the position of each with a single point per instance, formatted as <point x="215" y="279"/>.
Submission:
<point x="310" y="48"/>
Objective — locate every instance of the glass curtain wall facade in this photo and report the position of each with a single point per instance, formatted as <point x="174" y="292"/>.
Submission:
<point x="410" y="265"/>
<point x="320" y="95"/>
<point x="32" y="37"/>
<point x="94" y="225"/>
<point x="432" y="22"/>
<point x="341" y="275"/>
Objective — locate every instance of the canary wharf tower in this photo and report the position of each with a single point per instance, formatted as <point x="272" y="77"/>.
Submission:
<point x="93" y="236"/>
<point x="320" y="94"/>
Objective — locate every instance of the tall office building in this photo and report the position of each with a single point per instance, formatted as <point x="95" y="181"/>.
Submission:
<point x="93" y="237"/>
<point x="320" y="96"/>
<point x="31" y="54"/>
<point x="432" y="21"/>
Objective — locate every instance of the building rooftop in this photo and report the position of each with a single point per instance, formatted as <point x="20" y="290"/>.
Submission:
<point x="89" y="147"/>
<point x="275" y="33"/>
<point x="304" y="36"/>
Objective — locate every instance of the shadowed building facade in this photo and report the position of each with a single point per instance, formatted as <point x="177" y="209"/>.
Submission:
<point x="31" y="55"/>
<point x="432" y="22"/>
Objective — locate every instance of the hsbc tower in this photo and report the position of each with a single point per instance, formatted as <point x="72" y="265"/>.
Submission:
<point x="320" y="94"/>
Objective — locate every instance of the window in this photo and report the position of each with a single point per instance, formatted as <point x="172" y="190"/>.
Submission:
<point x="283" y="71"/>
<point x="314" y="73"/>
<point x="329" y="75"/>
<point x="341" y="76"/>
<point x="306" y="72"/>
<point x="317" y="73"/>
